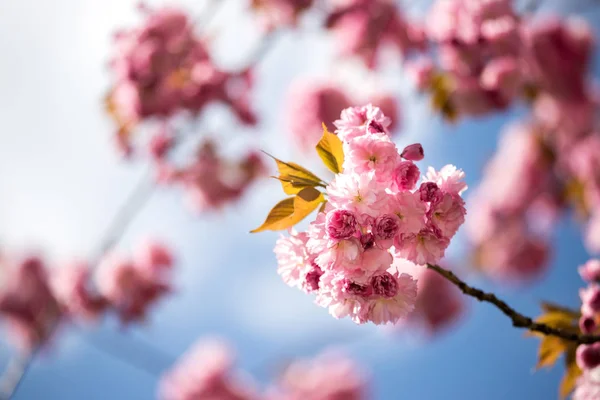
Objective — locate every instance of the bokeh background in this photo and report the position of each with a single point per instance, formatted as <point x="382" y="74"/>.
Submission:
<point x="61" y="181"/>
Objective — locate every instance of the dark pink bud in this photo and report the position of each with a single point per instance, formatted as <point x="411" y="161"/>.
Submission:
<point x="385" y="285"/>
<point x="367" y="240"/>
<point x="340" y="224"/>
<point x="587" y="324"/>
<point x="588" y="356"/>
<point x="413" y="152"/>
<point x="430" y="192"/>
<point x="386" y="226"/>
<point x="591" y="302"/>
<point x="313" y="277"/>
<point x="357" y="289"/>
<point x="406" y="175"/>
<point x="590" y="271"/>
<point x="375" y="127"/>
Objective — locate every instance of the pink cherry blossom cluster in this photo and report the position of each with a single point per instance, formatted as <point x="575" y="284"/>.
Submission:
<point x="211" y="181"/>
<point x="375" y="213"/>
<point x="27" y="304"/>
<point x="280" y="13"/>
<point x="554" y="158"/>
<point x="310" y="102"/>
<point x="207" y="372"/>
<point x="133" y="285"/>
<point x="491" y="56"/>
<point x="162" y="68"/>
<point x="362" y="27"/>
<point x="34" y="299"/>
<point x="588" y="356"/>
<point x="518" y="191"/>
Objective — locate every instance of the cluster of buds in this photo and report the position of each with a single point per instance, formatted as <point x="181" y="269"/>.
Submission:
<point x="376" y="214"/>
<point x="207" y="372"/>
<point x="34" y="299"/>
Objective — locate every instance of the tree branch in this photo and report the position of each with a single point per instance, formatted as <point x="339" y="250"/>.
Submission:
<point x="518" y="320"/>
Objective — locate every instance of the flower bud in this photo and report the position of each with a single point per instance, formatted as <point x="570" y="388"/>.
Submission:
<point x="386" y="226"/>
<point x="385" y="285"/>
<point x="587" y="324"/>
<point x="590" y="271"/>
<point x="340" y="224"/>
<point x="588" y="356"/>
<point x="430" y="192"/>
<point x="590" y="299"/>
<point x="406" y="175"/>
<point x="413" y="152"/>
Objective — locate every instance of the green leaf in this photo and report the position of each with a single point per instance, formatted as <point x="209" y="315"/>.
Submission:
<point x="292" y="210"/>
<point x="330" y="150"/>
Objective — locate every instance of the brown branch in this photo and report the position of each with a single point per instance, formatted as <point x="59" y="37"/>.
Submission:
<point x="518" y="320"/>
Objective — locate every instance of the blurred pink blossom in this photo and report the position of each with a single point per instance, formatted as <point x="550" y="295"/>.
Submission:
<point x="362" y="27"/>
<point x="27" y="304"/>
<point x="329" y="376"/>
<point x="205" y="372"/>
<point x="132" y="287"/>
<point x="71" y="284"/>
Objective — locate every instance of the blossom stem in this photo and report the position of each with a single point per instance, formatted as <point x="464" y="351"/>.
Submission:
<point x="518" y="320"/>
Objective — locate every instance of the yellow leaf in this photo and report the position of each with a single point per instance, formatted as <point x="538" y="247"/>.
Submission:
<point x="330" y="150"/>
<point x="572" y="372"/>
<point x="293" y="185"/>
<point x="549" y="307"/>
<point x="557" y="317"/>
<point x="550" y="350"/>
<point x="322" y="208"/>
<point x="281" y="211"/>
<point x="292" y="210"/>
<point x="441" y="97"/>
<point x="294" y="177"/>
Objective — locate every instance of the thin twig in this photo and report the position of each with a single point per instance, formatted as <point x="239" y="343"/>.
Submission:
<point x="518" y="320"/>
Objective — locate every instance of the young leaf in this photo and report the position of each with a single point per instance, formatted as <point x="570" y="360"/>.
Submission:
<point x="557" y="317"/>
<point x="550" y="307"/>
<point x="282" y="210"/>
<point x="294" y="177"/>
<point x="550" y="350"/>
<point x="292" y="210"/>
<point x="330" y="150"/>
<point x="322" y="208"/>
<point x="292" y="185"/>
<point x="572" y="373"/>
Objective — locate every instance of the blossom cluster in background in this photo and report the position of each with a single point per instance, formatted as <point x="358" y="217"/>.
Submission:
<point x="163" y="70"/>
<point x="207" y="372"/>
<point x="376" y="215"/>
<point x="35" y="299"/>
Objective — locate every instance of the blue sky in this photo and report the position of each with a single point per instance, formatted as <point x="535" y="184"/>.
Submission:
<point x="61" y="182"/>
